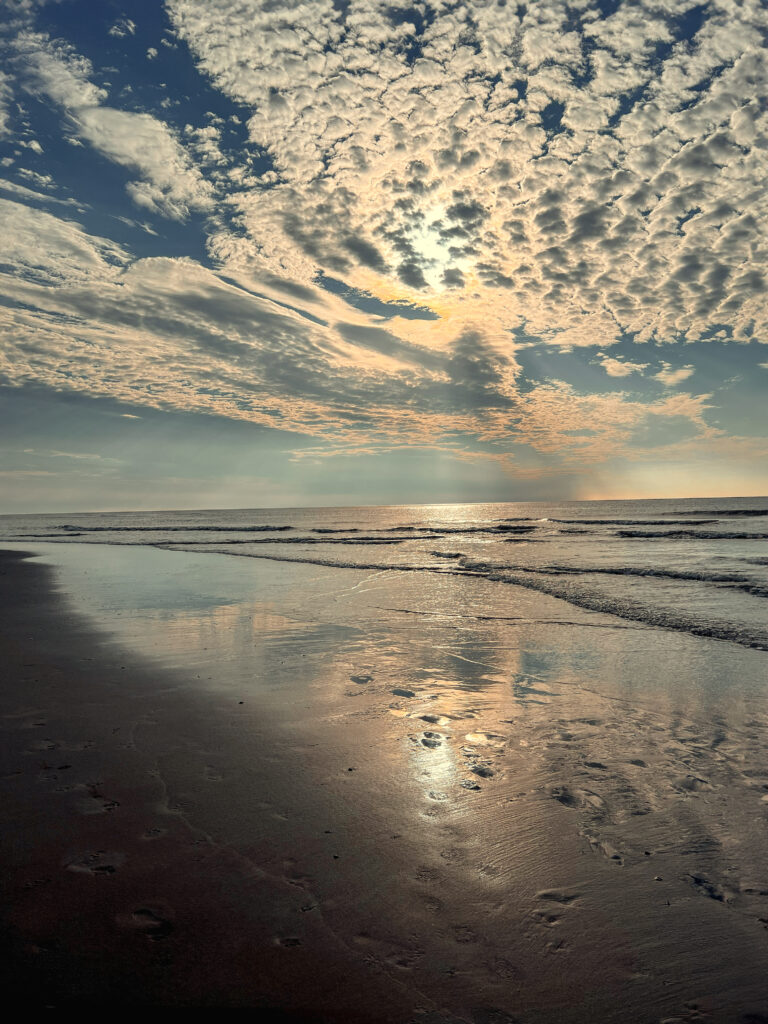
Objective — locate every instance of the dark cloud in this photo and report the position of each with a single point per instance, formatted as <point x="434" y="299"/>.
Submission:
<point x="366" y="253"/>
<point x="453" y="278"/>
<point x="412" y="274"/>
<point x="379" y="340"/>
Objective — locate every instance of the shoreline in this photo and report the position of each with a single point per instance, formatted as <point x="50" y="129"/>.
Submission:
<point x="167" y="845"/>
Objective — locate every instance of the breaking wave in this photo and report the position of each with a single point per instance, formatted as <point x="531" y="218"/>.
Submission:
<point x="691" y="534"/>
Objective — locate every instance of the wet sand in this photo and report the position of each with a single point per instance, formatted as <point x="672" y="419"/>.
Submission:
<point x="363" y="837"/>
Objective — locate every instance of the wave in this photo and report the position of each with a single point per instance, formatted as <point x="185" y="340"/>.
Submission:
<point x="629" y="570"/>
<point x="292" y="540"/>
<point x="691" y="534"/>
<point x="446" y="530"/>
<point x="628" y="609"/>
<point x="44" y="536"/>
<point x="608" y="605"/>
<point x="633" y="522"/>
<point x="230" y="528"/>
<point x="733" y="580"/>
<point x="726" y="512"/>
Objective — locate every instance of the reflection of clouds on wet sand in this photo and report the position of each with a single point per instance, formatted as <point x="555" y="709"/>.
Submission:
<point x="531" y="806"/>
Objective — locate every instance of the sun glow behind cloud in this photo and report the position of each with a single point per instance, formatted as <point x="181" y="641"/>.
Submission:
<point x="544" y="223"/>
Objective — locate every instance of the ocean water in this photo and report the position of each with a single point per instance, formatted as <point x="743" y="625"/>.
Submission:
<point x="694" y="565"/>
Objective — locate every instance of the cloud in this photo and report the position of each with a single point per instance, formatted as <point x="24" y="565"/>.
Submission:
<point x="46" y="249"/>
<point x="619" y="368"/>
<point x="169" y="334"/>
<point x="123" y="27"/>
<point x="632" y="210"/>
<point x="170" y="184"/>
<point x="670" y="377"/>
<point x="79" y="456"/>
<point x="6" y="95"/>
<point x="542" y="173"/>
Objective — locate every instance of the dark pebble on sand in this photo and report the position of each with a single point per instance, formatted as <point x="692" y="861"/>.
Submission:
<point x="403" y="693"/>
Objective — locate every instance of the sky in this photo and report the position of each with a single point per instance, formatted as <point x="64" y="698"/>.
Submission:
<point x="258" y="253"/>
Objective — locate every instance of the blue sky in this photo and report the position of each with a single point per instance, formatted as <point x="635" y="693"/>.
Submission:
<point x="352" y="252"/>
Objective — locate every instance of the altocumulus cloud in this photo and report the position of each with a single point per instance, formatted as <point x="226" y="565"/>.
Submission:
<point x="543" y="174"/>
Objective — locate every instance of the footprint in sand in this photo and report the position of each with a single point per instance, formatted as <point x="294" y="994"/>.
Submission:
<point x="435" y="719"/>
<point x="381" y="952"/>
<point x="549" y="918"/>
<point x="607" y="849"/>
<point x="42" y="745"/>
<point x="486" y="739"/>
<point x="428" y="876"/>
<point x="555" y="904"/>
<point x="100" y="862"/>
<point x="708" y="888"/>
<point x="154" y="920"/>
<point x="491" y="1015"/>
<point x="561" y="896"/>
<point x="691" y="784"/>
<point x="98" y="802"/>
<point x="584" y="798"/>
<point x="293" y="876"/>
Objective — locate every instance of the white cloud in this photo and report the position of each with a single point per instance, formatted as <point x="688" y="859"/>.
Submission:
<point x="123" y="27"/>
<point x="169" y="334"/>
<point x="669" y="377"/>
<point x="21" y="192"/>
<point x="6" y="96"/>
<point x="636" y="224"/>
<point x="50" y="250"/>
<point x="620" y="368"/>
<point x="169" y="183"/>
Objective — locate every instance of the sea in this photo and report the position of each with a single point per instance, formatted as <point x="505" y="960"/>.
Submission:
<point x="695" y="565"/>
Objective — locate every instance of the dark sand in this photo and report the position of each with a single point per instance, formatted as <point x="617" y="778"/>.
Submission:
<point x="165" y="845"/>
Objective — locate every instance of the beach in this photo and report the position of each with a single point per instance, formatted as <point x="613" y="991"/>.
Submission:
<point x="315" y="791"/>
